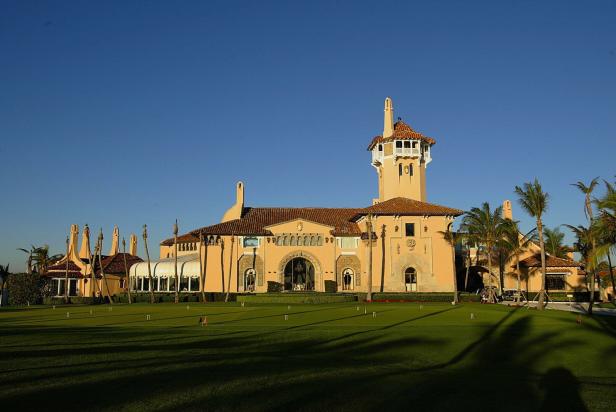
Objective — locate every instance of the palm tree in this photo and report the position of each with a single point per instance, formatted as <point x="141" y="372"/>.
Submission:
<point x="176" y="298"/>
<point x="587" y="191"/>
<point x="202" y="265"/>
<point x="4" y="277"/>
<point x="66" y="285"/>
<point x="486" y="226"/>
<point x="514" y="243"/>
<point x="147" y="255"/>
<point x="534" y="201"/>
<point x="453" y="238"/>
<point x="554" y="242"/>
<point x="230" y="267"/>
<point x="606" y="228"/>
<point x="126" y="274"/>
<point x="100" y="265"/>
<point x="583" y="245"/>
<point x="369" y="229"/>
<point x="29" y="259"/>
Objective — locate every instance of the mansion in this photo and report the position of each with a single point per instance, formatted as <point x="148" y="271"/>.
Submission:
<point x="397" y="239"/>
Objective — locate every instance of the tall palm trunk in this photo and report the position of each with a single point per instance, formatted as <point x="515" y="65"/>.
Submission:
<point x="491" y="298"/>
<point x="517" y="270"/>
<point x="100" y="264"/>
<point x="468" y="268"/>
<point x="609" y="265"/>
<point x="369" y="229"/>
<point x="147" y="255"/>
<point x="222" y="263"/>
<point x="382" y="258"/>
<point x="176" y="297"/>
<point x="126" y="275"/>
<point x="201" y="268"/>
<point x="93" y="286"/>
<point x="66" y="274"/>
<point x="455" y="274"/>
<point x="541" y="302"/>
<point x="230" y="269"/>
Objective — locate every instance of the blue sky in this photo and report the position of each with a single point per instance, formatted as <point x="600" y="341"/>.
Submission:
<point x="143" y="112"/>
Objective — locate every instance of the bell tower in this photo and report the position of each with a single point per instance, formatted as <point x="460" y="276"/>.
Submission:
<point x="400" y="157"/>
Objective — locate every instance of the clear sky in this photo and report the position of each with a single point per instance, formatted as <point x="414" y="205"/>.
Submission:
<point x="143" y="112"/>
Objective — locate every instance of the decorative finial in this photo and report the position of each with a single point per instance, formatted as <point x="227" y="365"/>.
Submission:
<point x="175" y="228"/>
<point x="145" y="231"/>
<point x="388" y="123"/>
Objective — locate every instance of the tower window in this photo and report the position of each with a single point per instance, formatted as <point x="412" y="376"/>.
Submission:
<point x="411" y="169"/>
<point x="399" y="169"/>
<point x="398" y="144"/>
<point x="409" y="229"/>
<point x="407" y="144"/>
<point x="380" y="148"/>
<point x="414" y="145"/>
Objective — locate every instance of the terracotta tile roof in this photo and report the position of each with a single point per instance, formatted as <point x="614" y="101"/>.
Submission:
<point x="255" y="219"/>
<point x="402" y="131"/>
<point x="114" y="264"/>
<point x="550" y="261"/>
<point x="409" y="207"/>
<point x="59" y="269"/>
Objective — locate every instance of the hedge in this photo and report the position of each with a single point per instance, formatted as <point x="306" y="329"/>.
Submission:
<point x="294" y="297"/>
<point x="424" y="297"/>
<point x="170" y="297"/>
<point x="562" y="296"/>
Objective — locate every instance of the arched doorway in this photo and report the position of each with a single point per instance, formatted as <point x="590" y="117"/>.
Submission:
<point x="298" y="275"/>
<point x="410" y="279"/>
<point x="250" y="277"/>
<point x="347" y="279"/>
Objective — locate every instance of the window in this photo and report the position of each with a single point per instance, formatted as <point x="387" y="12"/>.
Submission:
<point x="555" y="282"/>
<point x="409" y="229"/>
<point x="410" y="279"/>
<point x="293" y="241"/>
<point x="183" y="284"/>
<point x="347" y="279"/>
<point x="411" y="169"/>
<point x="380" y="148"/>
<point x="251" y="241"/>
<point x="407" y="144"/>
<point x="398" y="144"/>
<point x="194" y="284"/>
<point x="399" y="169"/>
<point x="348" y="243"/>
<point x="249" y="280"/>
<point x="414" y="145"/>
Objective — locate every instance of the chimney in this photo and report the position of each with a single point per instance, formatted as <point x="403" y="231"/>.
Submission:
<point x="133" y="244"/>
<point x="388" y="123"/>
<point x="84" y="251"/>
<point x="115" y="242"/>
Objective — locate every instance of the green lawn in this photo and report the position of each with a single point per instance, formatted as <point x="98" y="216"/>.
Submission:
<point x="323" y="357"/>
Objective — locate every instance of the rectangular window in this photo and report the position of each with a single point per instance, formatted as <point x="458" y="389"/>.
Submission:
<point x="251" y="242"/>
<point x="555" y="282"/>
<point x="407" y="144"/>
<point x="348" y="243"/>
<point x="398" y="144"/>
<point x="409" y="229"/>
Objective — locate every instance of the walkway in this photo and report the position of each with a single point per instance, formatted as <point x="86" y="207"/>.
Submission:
<point x="577" y="307"/>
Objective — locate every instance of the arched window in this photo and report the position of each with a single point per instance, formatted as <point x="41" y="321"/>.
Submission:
<point x="250" y="277"/>
<point x="313" y="241"/>
<point x="300" y="240"/>
<point x="410" y="279"/>
<point x="347" y="279"/>
<point x="285" y="241"/>
<point x="293" y="241"/>
<point x="380" y="148"/>
<point x="319" y="241"/>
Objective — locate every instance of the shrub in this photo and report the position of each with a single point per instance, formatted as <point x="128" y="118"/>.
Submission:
<point x="169" y="297"/>
<point x="562" y="296"/>
<point x="274" y="286"/>
<point x="25" y="289"/>
<point x="293" y="297"/>
<point x="331" y="286"/>
<point x="424" y="297"/>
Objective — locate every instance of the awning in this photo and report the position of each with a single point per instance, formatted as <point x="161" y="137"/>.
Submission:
<point x="188" y="266"/>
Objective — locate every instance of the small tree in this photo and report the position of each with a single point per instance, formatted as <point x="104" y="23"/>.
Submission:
<point x="535" y="201"/>
<point x="4" y="277"/>
<point x="25" y="289"/>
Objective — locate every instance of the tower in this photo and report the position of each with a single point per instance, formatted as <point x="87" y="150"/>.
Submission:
<point x="400" y="157"/>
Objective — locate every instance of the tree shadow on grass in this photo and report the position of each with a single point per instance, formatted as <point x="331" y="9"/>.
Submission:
<point x="297" y="369"/>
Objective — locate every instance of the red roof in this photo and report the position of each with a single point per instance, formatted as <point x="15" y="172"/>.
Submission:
<point x="550" y="262"/>
<point x="402" y="131"/>
<point x="59" y="269"/>
<point x="255" y="220"/>
<point x="409" y="207"/>
<point x="114" y="264"/>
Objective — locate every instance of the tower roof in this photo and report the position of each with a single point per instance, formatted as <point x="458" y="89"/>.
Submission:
<point x="402" y="131"/>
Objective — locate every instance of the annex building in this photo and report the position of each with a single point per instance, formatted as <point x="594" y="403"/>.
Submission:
<point x="396" y="239"/>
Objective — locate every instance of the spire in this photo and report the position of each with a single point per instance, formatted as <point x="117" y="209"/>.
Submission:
<point x="115" y="242"/>
<point x="73" y="238"/>
<point x="507" y="213"/>
<point x="84" y="251"/>
<point x="132" y="247"/>
<point x="388" y="123"/>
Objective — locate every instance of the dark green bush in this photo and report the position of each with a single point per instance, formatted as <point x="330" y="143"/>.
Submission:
<point x="562" y="296"/>
<point x="25" y="289"/>
<point x="274" y="286"/>
<point x="331" y="286"/>
<point x="293" y="297"/>
<point x="169" y="297"/>
<point x="424" y="297"/>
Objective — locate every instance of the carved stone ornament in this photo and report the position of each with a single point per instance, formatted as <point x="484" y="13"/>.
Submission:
<point x="300" y="227"/>
<point x="411" y="243"/>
